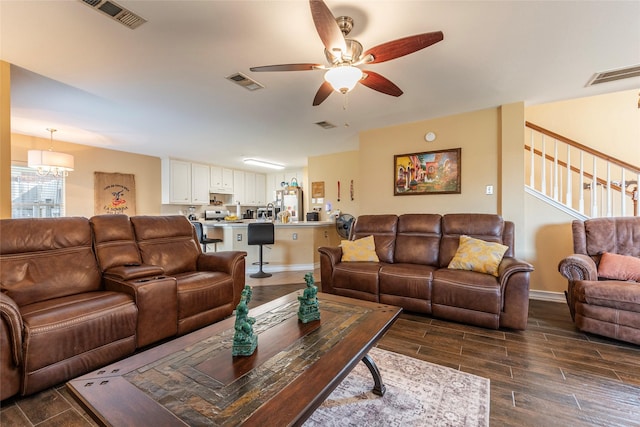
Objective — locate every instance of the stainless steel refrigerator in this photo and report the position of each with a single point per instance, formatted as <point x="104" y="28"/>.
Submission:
<point x="290" y="199"/>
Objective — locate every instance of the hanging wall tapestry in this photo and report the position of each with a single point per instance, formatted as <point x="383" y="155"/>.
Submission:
<point x="115" y="193"/>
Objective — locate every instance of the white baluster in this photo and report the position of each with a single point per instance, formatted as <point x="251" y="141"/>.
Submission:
<point x="623" y="194"/>
<point x="609" y="202"/>
<point x="594" y="191"/>
<point x="532" y="183"/>
<point x="569" y="198"/>
<point x="555" y="169"/>
<point x="543" y="171"/>
<point x="581" y="190"/>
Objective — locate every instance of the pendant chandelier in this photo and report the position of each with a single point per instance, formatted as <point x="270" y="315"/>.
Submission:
<point x="50" y="162"/>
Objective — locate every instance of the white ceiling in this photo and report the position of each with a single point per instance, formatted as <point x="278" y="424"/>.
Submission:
<point x="161" y="89"/>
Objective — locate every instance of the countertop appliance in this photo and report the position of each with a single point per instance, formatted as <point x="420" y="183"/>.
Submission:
<point x="215" y="215"/>
<point x="313" y="216"/>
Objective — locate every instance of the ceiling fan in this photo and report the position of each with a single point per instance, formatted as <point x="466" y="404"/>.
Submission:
<point x="345" y="55"/>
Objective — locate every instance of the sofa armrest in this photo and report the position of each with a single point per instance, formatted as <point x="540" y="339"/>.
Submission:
<point x="156" y="298"/>
<point x="13" y="319"/>
<point x="329" y="257"/>
<point x="578" y="267"/>
<point x="514" y="277"/>
<point x="510" y="266"/>
<point x="230" y="262"/>
<point x="131" y="272"/>
<point x="225" y="261"/>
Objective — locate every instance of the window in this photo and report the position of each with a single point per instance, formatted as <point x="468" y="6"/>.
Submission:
<point x="36" y="196"/>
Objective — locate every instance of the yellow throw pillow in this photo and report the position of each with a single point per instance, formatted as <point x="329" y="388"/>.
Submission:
<point x="359" y="250"/>
<point x="478" y="255"/>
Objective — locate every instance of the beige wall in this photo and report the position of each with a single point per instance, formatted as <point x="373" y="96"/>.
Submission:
<point x="79" y="183"/>
<point x="476" y="133"/>
<point x="330" y="169"/>
<point x="5" y="140"/>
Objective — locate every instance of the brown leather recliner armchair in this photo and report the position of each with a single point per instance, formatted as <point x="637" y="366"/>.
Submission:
<point x="209" y="285"/>
<point x="601" y="306"/>
<point x="58" y="321"/>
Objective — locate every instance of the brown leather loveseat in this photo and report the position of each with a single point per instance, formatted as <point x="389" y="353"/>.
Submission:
<point x="414" y="251"/>
<point x="77" y="294"/>
<point x="603" y="292"/>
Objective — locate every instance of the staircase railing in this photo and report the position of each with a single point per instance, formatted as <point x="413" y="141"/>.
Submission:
<point x="578" y="176"/>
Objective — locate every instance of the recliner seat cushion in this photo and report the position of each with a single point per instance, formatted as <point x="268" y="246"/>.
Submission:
<point x="407" y="285"/>
<point x="199" y="291"/>
<point x="467" y="289"/>
<point x="69" y="336"/>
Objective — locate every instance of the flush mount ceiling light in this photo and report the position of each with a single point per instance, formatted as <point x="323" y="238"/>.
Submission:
<point x="50" y="162"/>
<point x="263" y="164"/>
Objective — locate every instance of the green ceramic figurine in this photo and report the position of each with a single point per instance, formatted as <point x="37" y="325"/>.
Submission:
<point x="244" y="340"/>
<point x="309" y="309"/>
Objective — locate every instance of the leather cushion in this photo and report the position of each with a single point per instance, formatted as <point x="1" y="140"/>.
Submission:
<point x="466" y="289"/>
<point x="199" y="291"/>
<point x="61" y="328"/>
<point x="407" y="280"/>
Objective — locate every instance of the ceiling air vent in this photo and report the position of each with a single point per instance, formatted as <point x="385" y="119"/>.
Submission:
<point x="613" y="75"/>
<point x="244" y="81"/>
<point x="117" y="12"/>
<point x="325" y="125"/>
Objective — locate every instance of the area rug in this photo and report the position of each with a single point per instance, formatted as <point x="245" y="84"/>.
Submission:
<point x="418" y="393"/>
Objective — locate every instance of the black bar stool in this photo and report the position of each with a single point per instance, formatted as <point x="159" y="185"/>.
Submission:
<point x="260" y="233"/>
<point x="203" y="239"/>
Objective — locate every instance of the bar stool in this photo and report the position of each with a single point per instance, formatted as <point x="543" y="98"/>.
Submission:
<point x="203" y="239"/>
<point x="260" y="233"/>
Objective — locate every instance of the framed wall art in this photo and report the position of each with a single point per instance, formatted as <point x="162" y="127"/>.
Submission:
<point x="429" y="172"/>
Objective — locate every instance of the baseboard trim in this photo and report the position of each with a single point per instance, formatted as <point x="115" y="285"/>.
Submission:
<point x="547" y="296"/>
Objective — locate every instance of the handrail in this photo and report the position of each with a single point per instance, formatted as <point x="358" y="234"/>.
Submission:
<point x="584" y="148"/>
<point x="626" y="188"/>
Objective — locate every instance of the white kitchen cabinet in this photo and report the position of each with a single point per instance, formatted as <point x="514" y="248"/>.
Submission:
<point x="250" y="188"/>
<point x="238" y="187"/>
<point x="199" y="184"/>
<point x="221" y="180"/>
<point x="184" y="183"/>
<point x="261" y="189"/>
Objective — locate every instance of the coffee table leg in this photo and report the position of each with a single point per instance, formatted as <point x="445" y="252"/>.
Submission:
<point x="378" y="387"/>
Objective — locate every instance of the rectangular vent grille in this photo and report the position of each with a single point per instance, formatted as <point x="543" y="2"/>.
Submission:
<point x="116" y="12"/>
<point x="613" y="75"/>
<point x="325" y="125"/>
<point x="244" y="81"/>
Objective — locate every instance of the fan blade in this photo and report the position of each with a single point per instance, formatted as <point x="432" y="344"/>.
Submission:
<point x="376" y="82"/>
<point x="322" y="94"/>
<point x="286" y="67"/>
<point x="401" y="47"/>
<point x="327" y="27"/>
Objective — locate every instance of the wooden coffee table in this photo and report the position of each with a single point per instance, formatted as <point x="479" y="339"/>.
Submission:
<point x="194" y="379"/>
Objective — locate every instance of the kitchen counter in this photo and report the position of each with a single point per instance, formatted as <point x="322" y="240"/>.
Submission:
<point x="295" y="248"/>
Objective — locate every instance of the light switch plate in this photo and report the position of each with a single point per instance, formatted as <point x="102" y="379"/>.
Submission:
<point x="489" y="189"/>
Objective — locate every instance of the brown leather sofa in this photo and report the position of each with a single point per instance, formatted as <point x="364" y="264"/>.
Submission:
<point x="598" y="305"/>
<point x="414" y="251"/>
<point x="77" y="294"/>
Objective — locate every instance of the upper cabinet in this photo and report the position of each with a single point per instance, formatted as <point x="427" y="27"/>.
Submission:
<point x="184" y="183"/>
<point x="249" y="188"/>
<point x="221" y="180"/>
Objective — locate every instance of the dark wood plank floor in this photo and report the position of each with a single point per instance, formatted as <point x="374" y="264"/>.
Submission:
<point x="549" y="375"/>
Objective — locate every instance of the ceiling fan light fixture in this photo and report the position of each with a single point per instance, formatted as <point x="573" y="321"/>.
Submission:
<point x="343" y="78"/>
<point x="263" y="164"/>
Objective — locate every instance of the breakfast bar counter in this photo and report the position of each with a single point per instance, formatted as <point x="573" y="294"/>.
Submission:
<point x="295" y="248"/>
